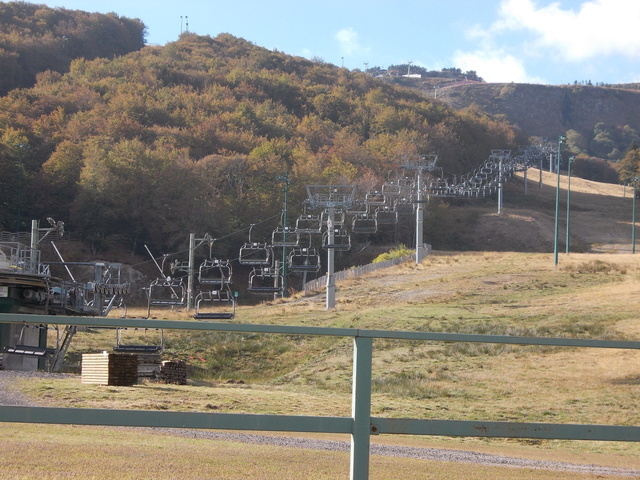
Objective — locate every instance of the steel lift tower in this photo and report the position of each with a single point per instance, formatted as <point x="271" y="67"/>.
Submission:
<point x="331" y="197"/>
<point x="419" y="163"/>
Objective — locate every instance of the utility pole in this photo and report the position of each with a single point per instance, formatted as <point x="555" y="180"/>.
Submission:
<point x="569" y="162"/>
<point x="191" y="267"/>
<point x="555" y="245"/>
<point x="633" y="217"/>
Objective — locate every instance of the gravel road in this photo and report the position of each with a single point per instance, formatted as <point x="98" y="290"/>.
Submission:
<point x="10" y="395"/>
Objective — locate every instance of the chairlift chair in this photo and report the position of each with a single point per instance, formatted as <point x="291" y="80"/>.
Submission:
<point x="215" y="272"/>
<point x="341" y="240"/>
<point x="358" y="208"/>
<point x="386" y="215"/>
<point x="138" y="348"/>
<point x="29" y="350"/>
<point x="364" y="223"/>
<point x="166" y="292"/>
<point x="338" y="218"/>
<point x="215" y="305"/>
<point x="303" y="259"/>
<point x="308" y="223"/>
<point x="265" y="280"/>
<point x="404" y="205"/>
<point x="284" y="237"/>
<point x="407" y="185"/>
<point x="256" y="254"/>
<point x="375" y="198"/>
<point x="391" y="189"/>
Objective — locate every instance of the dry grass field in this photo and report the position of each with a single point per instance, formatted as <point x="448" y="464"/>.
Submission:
<point x="595" y="294"/>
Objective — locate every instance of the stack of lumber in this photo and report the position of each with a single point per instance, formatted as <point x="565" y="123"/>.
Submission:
<point x="173" y="372"/>
<point x="110" y="369"/>
<point x="148" y="365"/>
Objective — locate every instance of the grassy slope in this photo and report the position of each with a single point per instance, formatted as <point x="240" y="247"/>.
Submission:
<point x="586" y="295"/>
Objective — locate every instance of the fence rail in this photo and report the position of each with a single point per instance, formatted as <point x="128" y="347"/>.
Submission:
<point x="361" y="425"/>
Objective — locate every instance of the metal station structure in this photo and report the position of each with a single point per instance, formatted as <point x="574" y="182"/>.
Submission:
<point x="30" y="285"/>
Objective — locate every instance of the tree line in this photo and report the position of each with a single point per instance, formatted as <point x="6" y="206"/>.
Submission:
<point x="36" y="38"/>
<point x="141" y="148"/>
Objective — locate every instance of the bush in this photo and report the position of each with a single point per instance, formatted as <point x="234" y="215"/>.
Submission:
<point x="401" y="251"/>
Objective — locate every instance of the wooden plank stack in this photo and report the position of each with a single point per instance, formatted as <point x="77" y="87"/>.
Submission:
<point x="148" y="365"/>
<point x="110" y="369"/>
<point x="173" y="372"/>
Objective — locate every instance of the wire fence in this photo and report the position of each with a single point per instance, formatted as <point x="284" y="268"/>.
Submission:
<point x="318" y="284"/>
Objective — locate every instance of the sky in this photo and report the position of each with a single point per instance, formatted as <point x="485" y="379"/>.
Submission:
<point x="522" y="41"/>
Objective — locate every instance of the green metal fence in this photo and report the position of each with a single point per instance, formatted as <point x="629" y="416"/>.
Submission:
<point x="361" y="425"/>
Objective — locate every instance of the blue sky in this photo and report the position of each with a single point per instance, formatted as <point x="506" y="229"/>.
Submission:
<point x="528" y="41"/>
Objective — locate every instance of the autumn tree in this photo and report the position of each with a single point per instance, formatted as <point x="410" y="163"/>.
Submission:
<point x="629" y="168"/>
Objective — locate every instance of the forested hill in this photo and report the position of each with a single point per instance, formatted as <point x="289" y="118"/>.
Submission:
<point x="35" y="38"/>
<point x="597" y="121"/>
<point x="197" y="135"/>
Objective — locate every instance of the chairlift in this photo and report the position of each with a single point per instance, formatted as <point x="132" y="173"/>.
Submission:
<point x="303" y="259"/>
<point x="308" y="223"/>
<point x="375" y="198"/>
<point x="255" y="253"/>
<point x="364" y="223"/>
<point x="138" y="348"/>
<point x="407" y="185"/>
<point x="31" y="351"/>
<point x="391" y="189"/>
<point x="404" y="205"/>
<point x="341" y="240"/>
<point x="284" y="237"/>
<point x="53" y="356"/>
<point x="386" y="216"/>
<point x="214" y="272"/>
<point x="22" y="348"/>
<point x="215" y="305"/>
<point x="265" y="280"/>
<point x="338" y="218"/>
<point x="166" y="292"/>
<point x="358" y="208"/>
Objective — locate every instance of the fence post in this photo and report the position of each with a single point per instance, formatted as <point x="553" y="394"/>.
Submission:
<point x="361" y="407"/>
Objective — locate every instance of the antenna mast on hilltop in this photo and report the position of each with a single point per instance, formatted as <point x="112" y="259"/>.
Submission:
<point x="186" y="20"/>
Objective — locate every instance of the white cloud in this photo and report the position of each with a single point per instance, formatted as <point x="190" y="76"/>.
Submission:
<point x="598" y="28"/>
<point x="349" y="42"/>
<point x="528" y="32"/>
<point x="495" y="66"/>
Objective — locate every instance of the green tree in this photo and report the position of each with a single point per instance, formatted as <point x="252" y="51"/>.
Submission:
<point x="630" y="164"/>
<point x="14" y="152"/>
